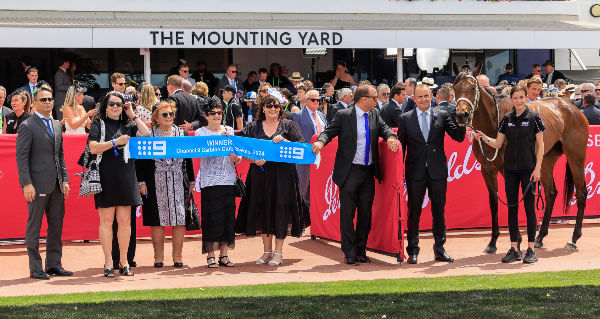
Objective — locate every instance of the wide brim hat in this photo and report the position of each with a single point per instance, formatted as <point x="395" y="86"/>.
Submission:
<point x="429" y="82"/>
<point x="296" y="77"/>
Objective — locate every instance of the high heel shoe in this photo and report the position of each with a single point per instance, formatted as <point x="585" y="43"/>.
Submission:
<point x="276" y="263"/>
<point x="125" y="271"/>
<point x="262" y="261"/>
<point x="108" y="272"/>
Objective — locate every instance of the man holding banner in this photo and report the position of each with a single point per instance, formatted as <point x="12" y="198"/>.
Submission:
<point x="358" y="129"/>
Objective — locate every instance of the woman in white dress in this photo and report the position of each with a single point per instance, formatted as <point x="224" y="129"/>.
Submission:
<point x="76" y="119"/>
<point x="147" y="101"/>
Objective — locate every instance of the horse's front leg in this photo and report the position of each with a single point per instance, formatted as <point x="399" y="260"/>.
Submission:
<point x="492" y="185"/>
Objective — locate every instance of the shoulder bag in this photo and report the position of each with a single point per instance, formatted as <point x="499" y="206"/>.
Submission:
<point x="90" y="177"/>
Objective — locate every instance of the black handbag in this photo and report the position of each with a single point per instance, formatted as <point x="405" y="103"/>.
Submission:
<point x="240" y="187"/>
<point x="192" y="218"/>
<point x="90" y="176"/>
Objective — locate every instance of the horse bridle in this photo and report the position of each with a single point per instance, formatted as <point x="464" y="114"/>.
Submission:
<point x="473" y="105"/>
<point x="473" y="108"/>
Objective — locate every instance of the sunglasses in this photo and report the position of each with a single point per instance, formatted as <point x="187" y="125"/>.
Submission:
<point x="47" y="99"/>
<point x="385" y="94"/>
<point x="373" y="97"/>
<point x="120" y="84"/>
<point x="213" y="113"/>
<point x="583" y="91"/>
<point x="272" y="106"/>
<point x="233" y="71"/>
<point x="113" y="103"/>
<point x="185" y="71"/>
<point x="167" y="114"/>
<point x="313" y="100"/>
<point x="264" y="91"/>
<point x="597" y="90"/>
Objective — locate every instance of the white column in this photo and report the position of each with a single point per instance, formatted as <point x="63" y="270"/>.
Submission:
<point x="399" y="69"/>
<point x="147" y="70"/>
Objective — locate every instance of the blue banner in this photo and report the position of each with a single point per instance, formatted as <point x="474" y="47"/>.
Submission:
<point x="219" y="145"/>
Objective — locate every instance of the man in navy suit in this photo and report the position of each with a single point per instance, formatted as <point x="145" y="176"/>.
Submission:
<point x="311" y="122"/>
<point x="589" y="110"/>
<point x="421" y="132"/>
<point x="32" y="76"/>
<point x="443" y="98"/>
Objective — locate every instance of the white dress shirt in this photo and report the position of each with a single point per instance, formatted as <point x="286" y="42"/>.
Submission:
<point x="361" y="143"/>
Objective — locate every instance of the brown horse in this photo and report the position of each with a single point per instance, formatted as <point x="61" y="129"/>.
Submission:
<point x="566" y="133"/>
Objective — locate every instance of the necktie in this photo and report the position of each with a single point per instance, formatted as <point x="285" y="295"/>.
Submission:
<point x="367" y="137"/>
<point x="49" y="126"/>
<point x="424" y="125"/>
<point x="317" y="123"/>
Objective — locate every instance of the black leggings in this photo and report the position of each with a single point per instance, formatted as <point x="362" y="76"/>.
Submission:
<point x="512" y="179"/>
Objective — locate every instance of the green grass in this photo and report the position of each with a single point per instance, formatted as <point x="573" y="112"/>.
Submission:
<point x="549" y="295"/>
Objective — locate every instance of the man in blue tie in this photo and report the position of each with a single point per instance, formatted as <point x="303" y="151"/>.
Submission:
<point x="45" y="182"/>
<point x="358" y="129"/>
<point x="32" y="77"/>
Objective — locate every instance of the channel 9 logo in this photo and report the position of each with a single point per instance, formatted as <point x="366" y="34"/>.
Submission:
<point x="291" y="152"/>
<point x="152" y="148"/>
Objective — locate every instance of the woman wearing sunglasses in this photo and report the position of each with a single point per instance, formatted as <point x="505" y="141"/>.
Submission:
<point x="273" y="204"/>
<point x="118" y="179"/>
<point x="165" y="185"/>
<point x="216" y="178"/>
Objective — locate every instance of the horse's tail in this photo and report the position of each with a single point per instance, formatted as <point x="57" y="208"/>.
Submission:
<point x="569" y="187"/>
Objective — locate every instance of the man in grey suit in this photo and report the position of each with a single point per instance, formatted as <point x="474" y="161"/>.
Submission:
<point x="43" y="177"/>
<point x="311" y="121"/>
<point x="443" y="99"/>
<point x="61" y="85"/>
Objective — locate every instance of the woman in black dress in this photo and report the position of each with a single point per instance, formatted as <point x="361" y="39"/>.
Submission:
<point x="119" y="184"/>
<point x="165" y="185"/>
<point x="273" y="204"/>
<point x="342" y="78"/>
<point x="21" y="105"/>
<point x="523" y="131"/>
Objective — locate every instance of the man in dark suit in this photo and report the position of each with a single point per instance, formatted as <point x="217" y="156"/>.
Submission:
<point x="551" y="74"/>
<point x="536" y="69"/>
<point x="61" y="84"/>
<point x="32" y="77"/>
<point x="344" y="98"/>
<point x="356" y="163"/>
<point x="311" y="121"/>
<point x="390" y="113"/>
<point x="189" y="116"/>
<point x="589" y="110"/>
<point x="586" y="88"/>
<point x="443" y="97"/>
<point x="231" y="78"/>
<point x="202" y="75"/>
<point x="508" y="75"/>
<point x="45" y="182"/>
<point x="421" y="133"/>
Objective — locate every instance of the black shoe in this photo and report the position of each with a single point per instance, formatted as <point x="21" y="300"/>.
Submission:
<point x="363" y="258"/>
<point x="125" y="271"/>
<point x="444" y="257"/>
<point x="38" y="274"/>
<point x="132" y="264"/>
<point x="412" y="259"/>
<point x="178" y="265"/>
<point x="109" y="273"/>
<point x="530" y="256"/>
<point x="512" y="255"/>
<point x="59" y="271"/>
<point x="159" y="264"/>
<point x="352" y="261"/>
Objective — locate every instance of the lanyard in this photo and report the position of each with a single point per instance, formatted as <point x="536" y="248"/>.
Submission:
<point x="226" y="109"/>
<point x="278" y="80"/>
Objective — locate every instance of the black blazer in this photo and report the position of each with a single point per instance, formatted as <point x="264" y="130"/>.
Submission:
<point x="557" y="75"/>
<point x="188" y="110"/>
<point x="40" y="157"/>
<point x="444" y="105"/>
<point x="331" y="112"/>
<point x="344" y="127"/>
<point x="592" y="114"/>
<point x="390" y="114"/>
<point x="427" y="156"/>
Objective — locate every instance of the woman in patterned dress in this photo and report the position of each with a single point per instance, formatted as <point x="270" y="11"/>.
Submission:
<point x="165" y="185"/>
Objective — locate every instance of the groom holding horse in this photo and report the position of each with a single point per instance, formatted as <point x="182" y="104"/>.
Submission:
<point x="421" y="132"/>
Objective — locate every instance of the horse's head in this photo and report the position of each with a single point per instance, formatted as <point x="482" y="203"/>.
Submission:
<point x="467" y="92"/>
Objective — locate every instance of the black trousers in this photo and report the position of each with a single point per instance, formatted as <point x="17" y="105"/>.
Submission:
<point x="116" y="256"/>
<point x="356" y="199"/>
<point x="437" y="196"/>
<point x="512" y="179"/>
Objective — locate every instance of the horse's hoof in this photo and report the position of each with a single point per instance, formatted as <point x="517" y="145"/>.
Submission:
<point x="538" y="243"/>
<point x="490" y="249"/>
<point x="571" y="247"/>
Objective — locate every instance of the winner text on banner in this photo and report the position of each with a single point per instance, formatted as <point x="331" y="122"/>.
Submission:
<point x="219" y="145"/>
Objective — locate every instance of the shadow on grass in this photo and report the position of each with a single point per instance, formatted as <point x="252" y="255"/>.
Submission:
<point x="561" y="302"/>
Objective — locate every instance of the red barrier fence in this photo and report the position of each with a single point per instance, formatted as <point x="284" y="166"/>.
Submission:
<point x="467" y="204"/>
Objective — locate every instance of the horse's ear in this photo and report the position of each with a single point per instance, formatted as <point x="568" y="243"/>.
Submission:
<point x="455" y="68"/>
<point x="478" y="69"/>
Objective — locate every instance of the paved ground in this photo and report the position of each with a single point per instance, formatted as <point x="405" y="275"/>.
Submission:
<point x="305" y="260"/>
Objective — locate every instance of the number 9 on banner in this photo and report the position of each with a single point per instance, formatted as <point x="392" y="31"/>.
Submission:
<point x="159" y="148"/>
